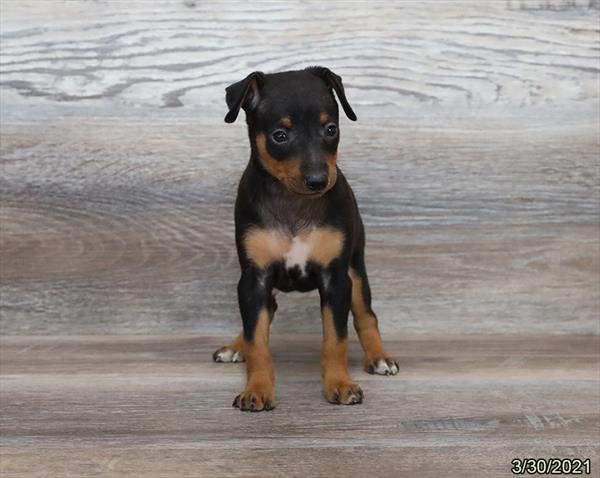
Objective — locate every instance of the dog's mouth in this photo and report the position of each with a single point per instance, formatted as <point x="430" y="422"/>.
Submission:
<point x="307" y="193"/>
<point x="297" y="187"/>
<point x="301" y="190"/>
<point x="312" y="193"/>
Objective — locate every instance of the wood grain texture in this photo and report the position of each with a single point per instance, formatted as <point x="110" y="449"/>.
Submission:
<point x="158" y="406"/>
<point x="474" y="160"/>
<point x="395" y="56"/>
<point x="112" y="226"/>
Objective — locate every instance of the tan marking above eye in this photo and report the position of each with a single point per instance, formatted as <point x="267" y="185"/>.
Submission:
<point x="265" y="246"/>
<point x="324" y="118"/>
<point x="286" y="122"/>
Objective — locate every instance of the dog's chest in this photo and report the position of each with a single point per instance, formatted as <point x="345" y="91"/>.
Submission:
<point x="299" y="251"/>
<point x="319" y="245"/>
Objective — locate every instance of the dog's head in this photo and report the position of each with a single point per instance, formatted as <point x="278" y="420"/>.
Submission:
<point x="293" y="124"/>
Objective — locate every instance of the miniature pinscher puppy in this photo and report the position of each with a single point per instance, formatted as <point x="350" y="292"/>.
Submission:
<point x="297" y="227"/>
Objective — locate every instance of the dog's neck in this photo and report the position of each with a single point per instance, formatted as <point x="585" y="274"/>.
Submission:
<point x="280" y="208"/>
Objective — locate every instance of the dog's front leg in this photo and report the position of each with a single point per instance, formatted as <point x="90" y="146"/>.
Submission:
<point x="336" y="292"/>
<point x="254" y="295"/>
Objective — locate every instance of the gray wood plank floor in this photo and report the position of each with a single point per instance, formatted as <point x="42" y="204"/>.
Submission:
<point x="158" y="406"/>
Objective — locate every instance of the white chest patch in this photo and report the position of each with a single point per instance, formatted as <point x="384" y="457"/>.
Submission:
<point x="298" y="254"/>
<point x="318" y="245"/>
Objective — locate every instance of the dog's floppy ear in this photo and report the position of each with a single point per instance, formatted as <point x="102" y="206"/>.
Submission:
<point x="335" y="82"/>
<point x="243" y="94"/>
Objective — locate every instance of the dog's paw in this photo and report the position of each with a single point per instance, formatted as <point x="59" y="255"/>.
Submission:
<point x="383" y="366"/>
<point x="225" y="354"/>
<point x="255" y="399"/>
<point x="343" y="392"/>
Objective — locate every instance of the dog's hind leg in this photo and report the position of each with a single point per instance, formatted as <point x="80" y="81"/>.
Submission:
<point x="377" y="361"/>
<point x="232" y="352"/>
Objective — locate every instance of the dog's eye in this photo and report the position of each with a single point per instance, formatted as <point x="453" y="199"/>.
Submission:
<point x="279" y="136"/>
<point x="330" y="130"/>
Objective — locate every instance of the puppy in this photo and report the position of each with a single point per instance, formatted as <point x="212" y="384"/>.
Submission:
<point x="297" y="227"/>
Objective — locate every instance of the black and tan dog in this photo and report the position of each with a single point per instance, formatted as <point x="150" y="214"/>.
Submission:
<point x="298" y="228"/>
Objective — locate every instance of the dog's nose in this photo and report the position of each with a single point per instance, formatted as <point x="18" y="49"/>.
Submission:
<point x="316" y="182"/>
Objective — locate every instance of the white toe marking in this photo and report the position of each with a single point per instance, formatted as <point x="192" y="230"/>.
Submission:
<point x="353" y="399"/>
<point x="228" y="355"/>
<point x="225" y="355"/>
<point x="382" y="368"/>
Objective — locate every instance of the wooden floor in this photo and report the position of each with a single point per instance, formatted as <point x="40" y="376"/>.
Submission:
<point x="475" y="163"/>
<point x="157" y="406"/>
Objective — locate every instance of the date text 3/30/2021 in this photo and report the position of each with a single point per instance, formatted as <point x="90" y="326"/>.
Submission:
<point x="551" y="466"/>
